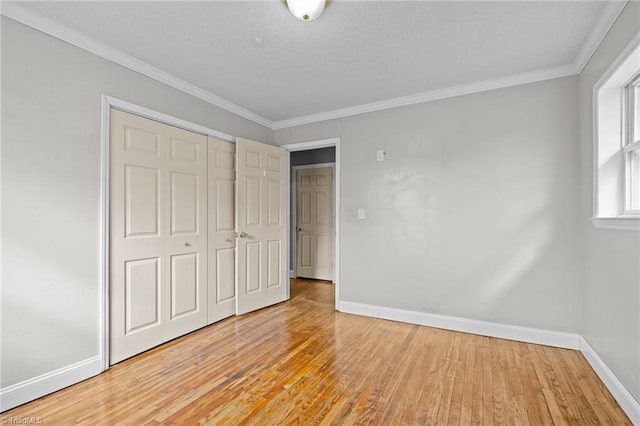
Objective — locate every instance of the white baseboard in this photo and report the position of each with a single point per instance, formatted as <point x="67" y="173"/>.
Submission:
<point x="31" y="389"/>
<point x="621" y="394"/>
<point x="483" y="328"/>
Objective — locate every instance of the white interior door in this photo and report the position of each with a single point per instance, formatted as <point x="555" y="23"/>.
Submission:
<point x="158" y="226"/>
<point x="314" y="215"/>
<point x="222" y="240"/>
<point x="186" y="242"/>
<point x="261" y="203"/>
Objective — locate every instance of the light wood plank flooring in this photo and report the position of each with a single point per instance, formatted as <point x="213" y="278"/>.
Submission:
<point x="300" y="362"/>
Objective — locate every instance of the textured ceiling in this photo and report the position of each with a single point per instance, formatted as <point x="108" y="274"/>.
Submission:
<point x="258" y="56"/>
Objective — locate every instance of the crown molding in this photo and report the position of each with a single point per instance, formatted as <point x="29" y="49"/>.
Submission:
<point x="59" y="31"/>
<point x="600" y="30"/>
<point x="611" y="12"/>
<point x="54" y="29"/>
<point x="448" y="92"/>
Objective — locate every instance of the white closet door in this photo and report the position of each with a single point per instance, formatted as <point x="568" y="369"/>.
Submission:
<point x="158" y="225"/>
<point x="261" y="206"/>
<point x="222" y="240"/>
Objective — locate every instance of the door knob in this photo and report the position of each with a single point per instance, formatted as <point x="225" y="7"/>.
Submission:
<point x="243" y="235"/>
<point x="298" y="229"/>
<point x="187" y="245"/>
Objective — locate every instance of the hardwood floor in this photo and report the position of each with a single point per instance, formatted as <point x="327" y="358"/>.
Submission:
<point x="300" y="362"/>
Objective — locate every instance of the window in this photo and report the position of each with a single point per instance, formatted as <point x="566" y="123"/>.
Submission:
<point x="632" y="148"/>
<point x="616" y="98"/>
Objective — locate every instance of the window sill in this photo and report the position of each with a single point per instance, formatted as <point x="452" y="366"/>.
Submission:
<point x="628" y="223"/>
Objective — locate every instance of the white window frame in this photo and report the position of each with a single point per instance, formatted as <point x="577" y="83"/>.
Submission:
<point x="613" y="131"/>
<point x="632" y="143"/>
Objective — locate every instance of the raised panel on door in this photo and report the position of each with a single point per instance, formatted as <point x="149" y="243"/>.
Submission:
<point x="322" y="209"/>
<point x="221" y="239"/>
<point x="225" y="266"/>
<point x="261" y="272"/>
<point x="274" y="214"/>
<point x="253" y="203"/>
<point x="305" y="252"/>
<point x="142" y="285"/>
<point x="304" y="211"/>
<point x="185" y="297"/>
<point x="323" y="252"/>
<point x="142" y="201"/>
<point x="224" y="197"/>
<point x="274" y="263"/>
<point x="253" y="281"/>
<point x="186" y="150"/>
<point x="184" y="203"/>
<point x="144" y="140"/>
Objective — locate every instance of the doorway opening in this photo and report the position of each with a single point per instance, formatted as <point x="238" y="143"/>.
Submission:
<point x="314" y="197"/>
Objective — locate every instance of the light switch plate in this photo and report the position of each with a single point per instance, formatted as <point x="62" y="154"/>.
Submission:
<point x="380" y="155"/>
<point x="360" y="213"/>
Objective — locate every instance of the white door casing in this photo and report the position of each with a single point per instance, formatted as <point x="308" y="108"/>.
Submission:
<point x="158" y="228"/>
<point x="314" y="216"/>
<point x="222" y="240"/>
<point x="261" y="206"/>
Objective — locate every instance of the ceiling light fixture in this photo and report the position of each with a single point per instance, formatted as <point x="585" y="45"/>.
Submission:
<point x="307" y="10"/>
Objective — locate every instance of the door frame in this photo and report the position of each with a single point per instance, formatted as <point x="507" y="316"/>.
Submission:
<point x="315" y="144"/>
<point x="109" y="103"/>
<point x="294" y="209"/>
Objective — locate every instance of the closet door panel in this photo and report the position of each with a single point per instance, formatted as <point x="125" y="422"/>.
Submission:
<point x="158" y="233"/>
<point x="222" y="239"/>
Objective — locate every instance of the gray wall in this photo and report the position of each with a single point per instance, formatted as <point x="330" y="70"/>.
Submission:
<point x="472" y="213"/>
<point x="611" y="279"/>
<point x="51" y="192"/>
